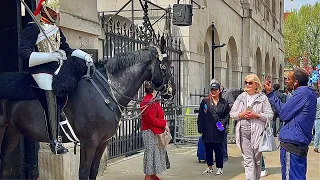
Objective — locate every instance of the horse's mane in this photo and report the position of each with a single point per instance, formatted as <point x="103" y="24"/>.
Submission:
<point x="124" y="60"/>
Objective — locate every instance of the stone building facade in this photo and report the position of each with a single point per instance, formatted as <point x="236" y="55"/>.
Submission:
<point x="251" y="29"/>
<point x="79" y="22"/>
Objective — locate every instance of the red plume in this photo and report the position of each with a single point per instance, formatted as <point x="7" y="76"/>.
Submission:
<point x="37" y="11"/>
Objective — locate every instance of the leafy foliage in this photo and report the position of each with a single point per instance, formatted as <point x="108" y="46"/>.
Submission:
<point x="302" y="35"/>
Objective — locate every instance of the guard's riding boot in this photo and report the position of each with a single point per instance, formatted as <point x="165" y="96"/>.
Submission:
<point x="53" y="119"/>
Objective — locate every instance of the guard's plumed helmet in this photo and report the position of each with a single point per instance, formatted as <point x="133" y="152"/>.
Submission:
<point x="52" y="4"/>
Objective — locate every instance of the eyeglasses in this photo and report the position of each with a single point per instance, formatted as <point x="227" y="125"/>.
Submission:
<point x="248" y="83"/>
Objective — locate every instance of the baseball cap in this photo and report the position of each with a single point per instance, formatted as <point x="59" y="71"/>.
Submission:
<point x="215" y="86"/>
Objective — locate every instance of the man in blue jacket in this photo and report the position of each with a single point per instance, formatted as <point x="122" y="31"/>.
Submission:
<point x="298" y="114"/>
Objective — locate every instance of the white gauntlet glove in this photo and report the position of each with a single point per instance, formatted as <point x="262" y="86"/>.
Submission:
<point x="88" y="60"/>
<point x="83" y="55"/>
<point x="55" y="56"/>
<point x="37" y="58"/>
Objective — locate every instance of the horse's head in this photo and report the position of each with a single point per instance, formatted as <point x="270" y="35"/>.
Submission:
<point x="162" y="78"/>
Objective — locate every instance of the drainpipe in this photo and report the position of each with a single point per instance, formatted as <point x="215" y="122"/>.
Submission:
<point x="212" y="49"/>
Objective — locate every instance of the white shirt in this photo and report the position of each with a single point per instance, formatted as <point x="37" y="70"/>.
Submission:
<point x="251" y="98"/>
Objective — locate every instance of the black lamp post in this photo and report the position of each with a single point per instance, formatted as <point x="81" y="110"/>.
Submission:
<point x="214" y="46"/>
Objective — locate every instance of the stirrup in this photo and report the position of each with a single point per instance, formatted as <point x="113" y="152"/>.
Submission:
<point x="58" y="148"/>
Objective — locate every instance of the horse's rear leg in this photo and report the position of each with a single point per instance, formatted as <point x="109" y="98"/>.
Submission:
<point x="96" y="160"/>
<point x="8" y="144"/>
<point x="2" y="149"/>
<point x="3" y="125"/>
<point x="87" y="151"/>
<point x="2" y="132"/>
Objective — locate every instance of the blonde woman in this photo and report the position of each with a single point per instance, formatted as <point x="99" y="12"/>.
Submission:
<point x="251" y="109"/>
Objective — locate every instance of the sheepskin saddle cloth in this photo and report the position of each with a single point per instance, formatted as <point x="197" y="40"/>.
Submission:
<point x="65" y="82"/>
<point x="17" y="86"/>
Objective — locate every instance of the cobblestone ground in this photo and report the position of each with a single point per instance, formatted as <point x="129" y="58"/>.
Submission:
<point x="185" y="166"/>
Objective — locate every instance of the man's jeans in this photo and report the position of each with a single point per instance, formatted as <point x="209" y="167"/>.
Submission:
<point x="317" y="133"/>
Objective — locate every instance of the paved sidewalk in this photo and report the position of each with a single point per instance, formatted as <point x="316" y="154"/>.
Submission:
<point x="185" y="166"/>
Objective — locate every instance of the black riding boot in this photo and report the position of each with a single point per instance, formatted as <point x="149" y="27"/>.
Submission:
<point x="53" y="119"/>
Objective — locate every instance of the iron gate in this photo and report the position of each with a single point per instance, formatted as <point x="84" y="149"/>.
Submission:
<point x="123" y="37"/>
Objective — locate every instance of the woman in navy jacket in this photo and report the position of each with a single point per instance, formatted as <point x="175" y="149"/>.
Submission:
<point x="212" y="118"/>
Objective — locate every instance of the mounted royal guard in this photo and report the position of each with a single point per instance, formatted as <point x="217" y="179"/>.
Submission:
<point x="42" y="58"/>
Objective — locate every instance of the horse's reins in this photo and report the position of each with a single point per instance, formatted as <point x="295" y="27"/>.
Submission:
<point x="163" y="85"/>
<point x="102" y="79"/>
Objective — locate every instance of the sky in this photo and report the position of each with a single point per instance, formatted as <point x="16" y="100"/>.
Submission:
<point x="296" y="4"/>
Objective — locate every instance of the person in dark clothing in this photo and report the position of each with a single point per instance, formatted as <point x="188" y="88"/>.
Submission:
<point x="227" y="95"/>
<point x="282" y="98"/>
<point x="41" y="55"/>
<point x="212" y="120"/>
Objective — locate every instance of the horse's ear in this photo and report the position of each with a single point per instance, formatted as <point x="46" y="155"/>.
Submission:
<point x="162" y="44"/>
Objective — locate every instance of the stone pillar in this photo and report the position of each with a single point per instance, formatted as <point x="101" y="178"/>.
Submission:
<point x="236" y="78"/>
<point x="62" y="167"/>
<point x="247" y="60"/>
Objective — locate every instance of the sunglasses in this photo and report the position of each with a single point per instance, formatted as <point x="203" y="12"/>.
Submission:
<point x="248" y="83"/>
<point x="213" y="89"/>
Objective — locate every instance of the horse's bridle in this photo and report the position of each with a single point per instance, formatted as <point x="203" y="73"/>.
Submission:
<point x="165" y="88"/>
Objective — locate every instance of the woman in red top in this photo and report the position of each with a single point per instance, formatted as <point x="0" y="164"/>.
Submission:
<point x="153" y="122"/>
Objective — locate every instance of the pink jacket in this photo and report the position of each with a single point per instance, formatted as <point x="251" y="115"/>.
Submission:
<point x="261" y="106"/>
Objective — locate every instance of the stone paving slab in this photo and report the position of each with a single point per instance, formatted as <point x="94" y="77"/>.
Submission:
<point x="185" y="166"/>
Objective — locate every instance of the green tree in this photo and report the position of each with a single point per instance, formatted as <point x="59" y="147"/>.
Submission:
<point x="302" y="35"/>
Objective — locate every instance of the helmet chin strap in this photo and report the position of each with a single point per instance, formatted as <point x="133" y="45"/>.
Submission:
<point x="48" y="15"/>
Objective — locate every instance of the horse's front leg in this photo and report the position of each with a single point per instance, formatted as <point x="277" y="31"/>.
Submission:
<point x="96" y="160"/>
<point x="87" y="151"/>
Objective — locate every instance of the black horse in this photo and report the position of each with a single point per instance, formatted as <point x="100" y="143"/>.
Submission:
<point x="93" y="121"/>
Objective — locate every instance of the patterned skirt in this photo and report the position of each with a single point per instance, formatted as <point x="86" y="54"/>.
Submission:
<point x="154" y="160"/>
